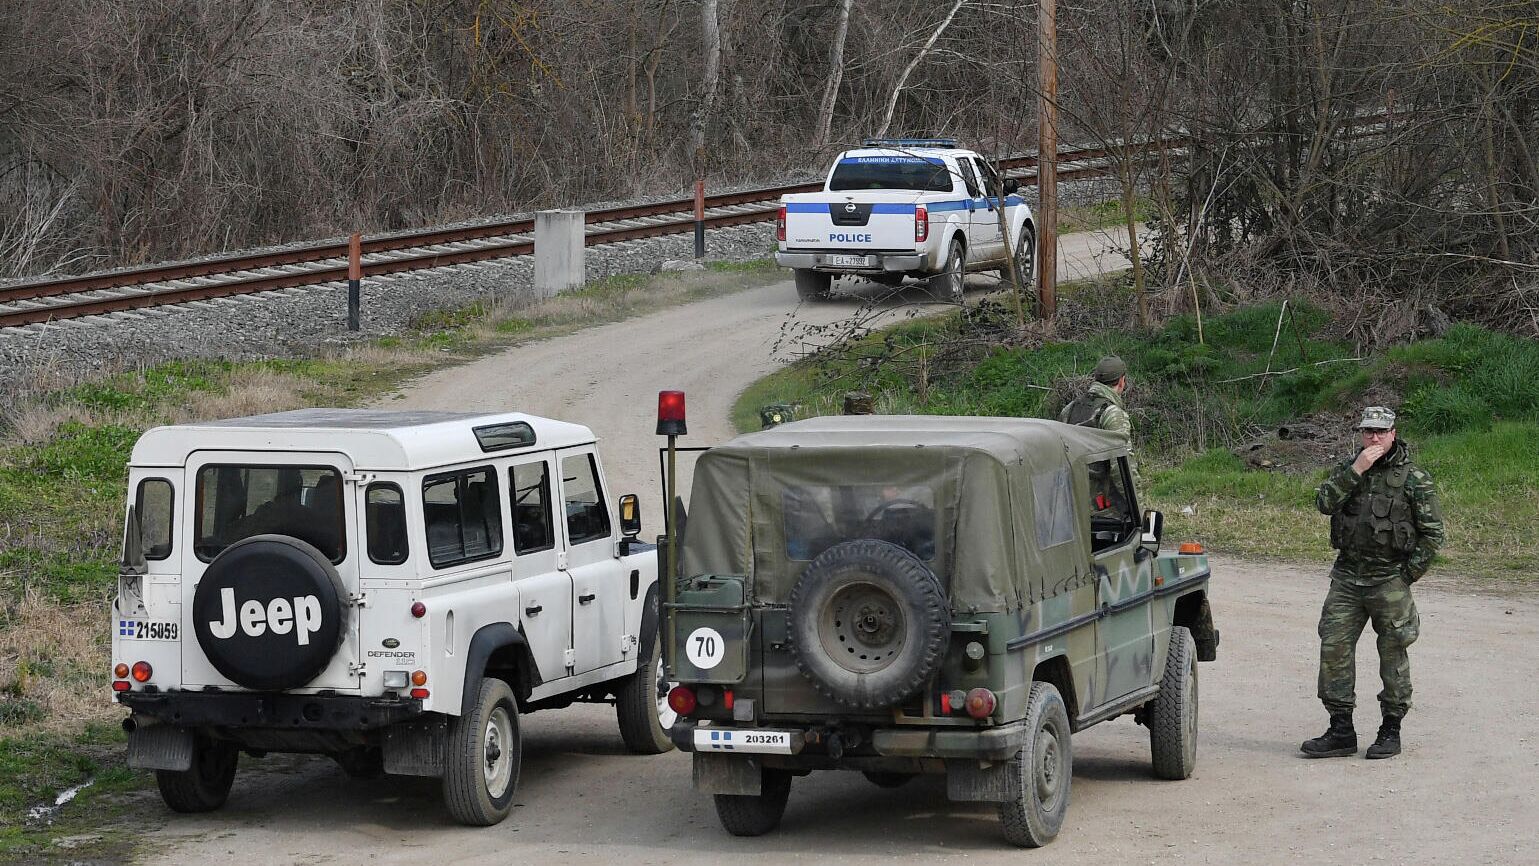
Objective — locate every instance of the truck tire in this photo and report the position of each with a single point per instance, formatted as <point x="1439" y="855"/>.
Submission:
<point x="1025" y="253"/>
<point x="756" y="814"/>
<point x="1043" y="771"/>
<point x="812" y="285"/>
<point x="869" y="623"/>
<point x="204" y="786"/>
<point x="949" y="284"/>
<point x="1173" y="712"/>
<point x="641" y="703"/>
<point x="484" y="756"/>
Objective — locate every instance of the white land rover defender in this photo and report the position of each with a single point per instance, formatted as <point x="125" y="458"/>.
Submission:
<point x="906" y="207"/>
<point x="391" y="589"/>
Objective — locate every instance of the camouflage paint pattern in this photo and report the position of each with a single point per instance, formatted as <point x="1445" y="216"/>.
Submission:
<point x="1345" y="494"/>
<point x="1350" y="606"/>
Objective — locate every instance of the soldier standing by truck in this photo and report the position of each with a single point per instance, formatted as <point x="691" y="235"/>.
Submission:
<point x="1386" y="525"/>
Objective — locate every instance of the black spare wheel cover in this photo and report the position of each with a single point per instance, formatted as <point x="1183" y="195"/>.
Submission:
<point x="268" y="612"/>
<point x="869" y="623"/>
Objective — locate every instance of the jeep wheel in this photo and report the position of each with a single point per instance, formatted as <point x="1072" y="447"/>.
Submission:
<point x="1043" y="770"/>
<point x="812" y="285"/>
<point x="949" y="284"/>
<point x="484" y="758"/>
<point x="204" y="786"/>
<point x="756" y="814"/>
<point x="641" y="703"/>
<point x="883" y="779"/>
<point x="869" y="623"/>
<point x="1173" y="712"/>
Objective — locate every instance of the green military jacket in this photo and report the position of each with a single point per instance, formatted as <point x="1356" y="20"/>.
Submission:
<point x="1102" y="407"/>
<point x="1386" y="522"/>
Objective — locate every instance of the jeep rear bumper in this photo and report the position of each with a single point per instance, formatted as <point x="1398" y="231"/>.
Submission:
<point x="242" y="710"/>
<point x="874" y="262"/>
<point x="985" y="744"/>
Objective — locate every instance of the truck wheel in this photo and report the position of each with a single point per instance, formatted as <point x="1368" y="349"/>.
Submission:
<point x="1173" y="712"/>
<point x="949" y="283"/>
<point x="883" y="779"/>
<point x="756" y="814"/>
<point x="641" y="703"/>
<point x="812" y="285"/>
<point x="1025" y="252"/>
<point x="869" y="623"/>
<point x="204" y="786"/>
<point x="484" y="758"/>
<point x="1043" y="769"/>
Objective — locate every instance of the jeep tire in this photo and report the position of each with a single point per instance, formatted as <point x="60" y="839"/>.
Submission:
<point x="756" y="814"/>
<point x="641" y="702"/>
<point x="1172" y="714"/>
<point x="812" y="285"/>
<point x="869" y="623"/>
<point x="1042" y="772"/>
<point x="204" y="786"/>
<point x="484" y="755"/>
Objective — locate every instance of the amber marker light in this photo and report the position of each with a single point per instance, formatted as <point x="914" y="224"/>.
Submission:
<point x="121" y="671"/>
<point x="419" y="678"/>
<point x="1190" y="547"/>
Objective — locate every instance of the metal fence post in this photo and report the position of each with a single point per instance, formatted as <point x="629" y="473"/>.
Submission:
<point x="354" y="279"/>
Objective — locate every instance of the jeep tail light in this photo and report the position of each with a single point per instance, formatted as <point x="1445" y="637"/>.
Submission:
<point x="670" y="413"/>
<point x="780" y="224"/>
<point x="121" y="671"/>
<point x="419" y="694"/>
<point x="419" y="678"/>
<point x="727" y="698"/>
<point x="142" y="672"/>
<point x="921" y="223"/>
<point x="418" y="609"/>
<point x="681" y="699"/>
<point x="980" y="703"/>
<point x="121" y="685"/>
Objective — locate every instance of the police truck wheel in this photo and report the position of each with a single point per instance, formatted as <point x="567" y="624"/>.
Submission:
<point x="756" y="814"/>
<point x="484" y="758"/>
<point x="949" y="284"/>
<point x="869" y="623"/>
<point x="1025" y="252"/>
<point x="204" y="786"/>
<point x="812" y="285"/>
<point x="1042" y="770"/>
<point x="1173" y="712"/>
<point x="642" y="704"/>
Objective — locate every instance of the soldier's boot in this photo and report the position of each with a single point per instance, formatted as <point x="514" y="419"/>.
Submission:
<point x="1338" y="741"/>
<point x="1387" y="745"/>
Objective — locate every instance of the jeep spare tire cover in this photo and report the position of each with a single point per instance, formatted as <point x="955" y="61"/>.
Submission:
<point x="869" y="623"/>
<point x="268" y="612"/>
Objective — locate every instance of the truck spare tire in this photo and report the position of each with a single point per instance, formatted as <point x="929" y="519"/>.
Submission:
<point x="869" y="623"/>
<point x="269" y="613"/>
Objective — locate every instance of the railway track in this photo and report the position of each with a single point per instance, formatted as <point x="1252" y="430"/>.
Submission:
<point x="124" y="291"/>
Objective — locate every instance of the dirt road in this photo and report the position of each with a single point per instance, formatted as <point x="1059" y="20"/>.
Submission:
<point x="1458" y="795"/>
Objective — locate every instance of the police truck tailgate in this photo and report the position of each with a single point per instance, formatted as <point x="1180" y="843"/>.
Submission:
<point x="877" y="222"/>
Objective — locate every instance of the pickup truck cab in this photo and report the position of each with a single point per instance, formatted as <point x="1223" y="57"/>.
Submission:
<point x="906" y="207"/>
<point x="390" y="589"/>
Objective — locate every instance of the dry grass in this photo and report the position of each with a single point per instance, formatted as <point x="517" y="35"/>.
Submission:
<point x="53" y="657"/>
<point x="250" y="391"/>
<point x="35" y="423"/>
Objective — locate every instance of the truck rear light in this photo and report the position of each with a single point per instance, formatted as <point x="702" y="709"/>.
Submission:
<point x="121" y="685"/>
<point x="419" y="678"/>
<point x="418" y="609"/>
<point x="681" y="699"/>
<point x="419" y="694"/>
<point x="727" y="698"/>
<point x="395" y="679"/>
<point x="142" y="672"/>
<point x="670" y="413"/>
<point x="921" y="223"/>
<point x="121" y="671"/>
<point x="980" y="703"/>
<point x="1190" y="548"/>
<point x="780" y="224"/>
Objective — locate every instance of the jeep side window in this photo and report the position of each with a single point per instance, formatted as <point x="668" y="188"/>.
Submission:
<point x="385" y="516"/>
<point x="1110" y="508"/>
<point x="154" y="508"/>
<point x="587" y="518"/>
<point x="969" y="177"/>
<point x="532" y="528"/>
<point x="462" y="515"/>
<point x="236" y="502"/>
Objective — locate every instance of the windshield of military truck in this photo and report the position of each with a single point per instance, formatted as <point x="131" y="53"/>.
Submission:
<point x="921" y="174"/>
<point x="236" y="502"/>
<point x="817" y="518"/>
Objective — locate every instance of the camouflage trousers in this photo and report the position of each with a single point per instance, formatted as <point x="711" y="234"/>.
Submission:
<point x="1349" y="607"/>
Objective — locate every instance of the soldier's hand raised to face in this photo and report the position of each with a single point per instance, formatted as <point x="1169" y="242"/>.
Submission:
<point x="1367" y="457"/>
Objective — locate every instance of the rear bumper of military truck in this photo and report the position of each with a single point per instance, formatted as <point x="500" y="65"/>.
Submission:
<point x="997" y="743"/>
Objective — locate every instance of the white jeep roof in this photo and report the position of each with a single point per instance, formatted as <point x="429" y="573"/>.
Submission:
<point x="373" y="439"/>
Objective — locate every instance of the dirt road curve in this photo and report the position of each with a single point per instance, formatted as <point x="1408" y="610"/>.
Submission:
<point x="1458" y="795"/>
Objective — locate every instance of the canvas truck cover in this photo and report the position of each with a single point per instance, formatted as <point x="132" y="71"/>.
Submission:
<point x="1000" y="496"/>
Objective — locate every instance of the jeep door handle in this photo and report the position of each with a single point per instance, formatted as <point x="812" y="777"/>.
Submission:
<point x="586" y="597"/>
<point x="533" y="609"/>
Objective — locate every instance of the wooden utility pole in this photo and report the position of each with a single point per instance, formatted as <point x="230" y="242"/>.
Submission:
<point x="1047" y="159"/>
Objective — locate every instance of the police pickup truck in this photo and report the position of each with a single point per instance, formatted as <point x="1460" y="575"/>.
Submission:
<point x="906" y="207"/>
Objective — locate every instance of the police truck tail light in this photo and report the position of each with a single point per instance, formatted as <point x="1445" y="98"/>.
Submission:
<point x="980" y="703"/>
<point x="921" y="223"/>
<point x="780" y="224"/>
<point x="670" y="413"/>
<point x="681" y="699"/>
<point x="142" y="672"/>
<point x="121" y="671"/>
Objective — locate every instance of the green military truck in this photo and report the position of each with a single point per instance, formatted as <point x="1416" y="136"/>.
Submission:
<point x="906" y="595"/>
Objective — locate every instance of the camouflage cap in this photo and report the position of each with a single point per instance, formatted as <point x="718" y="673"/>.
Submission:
<point x="1109" y="369"/>
<point x="1377" y="418"/>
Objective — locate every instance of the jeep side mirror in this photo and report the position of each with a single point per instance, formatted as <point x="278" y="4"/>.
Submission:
<point x="1154" y="527"/>
<point x="1012" y="186"/>
<point x="630" y="516"/>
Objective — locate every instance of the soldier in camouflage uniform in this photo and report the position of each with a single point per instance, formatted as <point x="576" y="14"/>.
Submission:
<point x="1102" y="405"/>
<point x="1386" y="525"/>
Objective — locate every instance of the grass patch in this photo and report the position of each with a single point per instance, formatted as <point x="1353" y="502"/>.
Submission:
<point x="1100" y="216"/>
<point x="36" y="767"/>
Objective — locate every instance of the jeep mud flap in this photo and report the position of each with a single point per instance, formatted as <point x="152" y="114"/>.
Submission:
<point x="742" y="775"/>
<point x="160" y="747"/>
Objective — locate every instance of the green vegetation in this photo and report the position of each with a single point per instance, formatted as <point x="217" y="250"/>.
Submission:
<point x="36" y="767"/>
<point x="1469" y="406"/>
<point x="1101" y="215"/>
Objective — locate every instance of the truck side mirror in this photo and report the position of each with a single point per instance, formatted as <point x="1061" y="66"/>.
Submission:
<point x="1012" y="186"/>
<point x="1154" y="527"/>
<point x="630" y="516"/>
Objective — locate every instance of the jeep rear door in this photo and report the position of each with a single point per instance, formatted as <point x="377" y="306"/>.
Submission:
<point x="600" y="584"/>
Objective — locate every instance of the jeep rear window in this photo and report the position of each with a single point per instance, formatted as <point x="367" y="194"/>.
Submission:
<point x="236" y="502"/>
<point x="890" y="172"/>
<point x="817" y="518"/>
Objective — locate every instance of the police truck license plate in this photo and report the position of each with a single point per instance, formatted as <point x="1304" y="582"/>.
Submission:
<point x="729" y="740"/>
<point x="139" y="629"/>
<point x="849" y="261"/>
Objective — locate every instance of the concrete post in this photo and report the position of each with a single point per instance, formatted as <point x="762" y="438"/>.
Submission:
<point x="558" y="252"/>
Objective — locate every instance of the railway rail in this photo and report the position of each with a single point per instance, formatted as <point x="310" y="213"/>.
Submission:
<point x="38" y="302"/>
